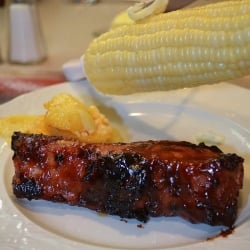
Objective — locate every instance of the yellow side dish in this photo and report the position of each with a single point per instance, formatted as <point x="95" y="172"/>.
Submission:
<point x="65" y="116"/>
<point x="24" y="123"/>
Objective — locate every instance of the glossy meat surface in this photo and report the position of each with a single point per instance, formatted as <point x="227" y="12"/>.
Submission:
<point x="132" y="180"/>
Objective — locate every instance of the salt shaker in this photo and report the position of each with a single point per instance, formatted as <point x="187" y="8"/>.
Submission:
<point x="26" y="44"/>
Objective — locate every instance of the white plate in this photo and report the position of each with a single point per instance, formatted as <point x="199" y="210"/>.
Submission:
<point x="222" y="109"/>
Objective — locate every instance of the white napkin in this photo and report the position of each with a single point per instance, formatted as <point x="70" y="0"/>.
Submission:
<point x="74" y="69"/>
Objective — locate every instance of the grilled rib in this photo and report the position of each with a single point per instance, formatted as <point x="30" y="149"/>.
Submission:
<point x="132" y="180"/>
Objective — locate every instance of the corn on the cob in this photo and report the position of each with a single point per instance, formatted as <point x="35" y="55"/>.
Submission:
<point x="147" y="8"/>
<point x="120" y="19"/>
<point x="183" y="48"/>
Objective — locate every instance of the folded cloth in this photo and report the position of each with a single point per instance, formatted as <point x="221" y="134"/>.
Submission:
<point x="74" y="70"/>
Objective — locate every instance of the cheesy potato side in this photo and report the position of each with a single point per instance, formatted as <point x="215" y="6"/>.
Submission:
<point x="65" y="116"/>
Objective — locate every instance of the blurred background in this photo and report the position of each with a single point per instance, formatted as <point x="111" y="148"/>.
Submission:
<point x="67" y="26"/>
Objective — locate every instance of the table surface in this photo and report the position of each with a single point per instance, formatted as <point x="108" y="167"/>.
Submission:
<point x="68" y="28"/>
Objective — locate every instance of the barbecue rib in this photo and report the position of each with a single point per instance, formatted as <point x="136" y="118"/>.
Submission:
<point x="133" y="180"/>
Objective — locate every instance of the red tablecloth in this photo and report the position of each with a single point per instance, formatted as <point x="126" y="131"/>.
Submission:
<point x="11" y="87"/>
